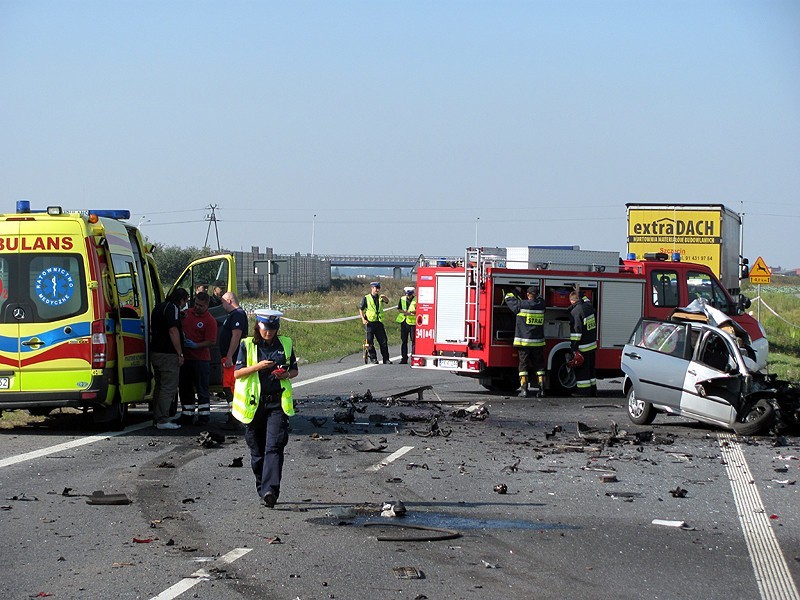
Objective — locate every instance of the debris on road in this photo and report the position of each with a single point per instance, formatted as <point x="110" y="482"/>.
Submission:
<point x="407" y="573"/>
<point x="412" y="465"/>
<point x="417" y="390"/>
<point x="433" y="430"/>
<point x="367" y="445"/>
<point x="501" y="488"/>
<point x="345" y="416"/>
<point x="676" y="524"/>
<point x="365" y="397"/>
<point x="210" y="439"/>
<point x="678" y="492"/>
<point x="608" y="478"/>
<point x="437" y="533"/>
<point x="393" y="508"/>
<point x="23" y="498"/>
<point x="624" y="496"/>
<point x="101" y="498"/>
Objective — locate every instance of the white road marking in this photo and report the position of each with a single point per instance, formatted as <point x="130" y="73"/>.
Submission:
<point x="188" y="583"/>
<point x="391" y="458"/>
<point x="337" y="374"/>
<point x="13" y="460"/>
<point x="769" y="565"/>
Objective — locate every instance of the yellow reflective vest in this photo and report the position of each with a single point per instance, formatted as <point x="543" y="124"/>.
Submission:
<point x="247" y="390"/>
<point x="408" y="307"/>
<point x="374" y="310"/>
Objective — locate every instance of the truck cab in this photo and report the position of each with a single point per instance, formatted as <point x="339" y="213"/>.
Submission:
<point x="674" y="284"/>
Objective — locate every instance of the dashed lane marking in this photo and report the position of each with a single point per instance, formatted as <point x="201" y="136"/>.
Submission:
<point x="391" y="458"/>
<point x="337" y="374"/>
<point x="13" y="460"/>
<point x="769" y="565"/>
<point x="188" y="583"/>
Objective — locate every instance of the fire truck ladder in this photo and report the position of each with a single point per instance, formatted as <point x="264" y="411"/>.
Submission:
<point x="476" y="263"/>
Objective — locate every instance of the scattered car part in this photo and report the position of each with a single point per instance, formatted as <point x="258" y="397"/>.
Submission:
<point x="438" y="533"/>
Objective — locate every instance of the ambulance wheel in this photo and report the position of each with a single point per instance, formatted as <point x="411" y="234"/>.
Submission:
<point x="39" y="411"/>
<point x="562" y="377"/>
<point x="113" y="416"/>
<point x="120" y="414"/>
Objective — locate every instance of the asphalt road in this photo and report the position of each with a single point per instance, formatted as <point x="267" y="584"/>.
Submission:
<point x="576" y="520"/>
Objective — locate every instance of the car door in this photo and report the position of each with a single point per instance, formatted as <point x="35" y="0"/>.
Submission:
<point x="220" y="268"/>
<point x="656" y="359"/>
<point x="714" y="380"/>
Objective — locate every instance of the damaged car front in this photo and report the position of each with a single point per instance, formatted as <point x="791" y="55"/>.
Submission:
<point x="687" y="367"/>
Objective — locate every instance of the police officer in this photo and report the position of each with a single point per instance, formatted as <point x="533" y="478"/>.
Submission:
<point x="583" y="340"/>
<point x="262" y="400"/>
<point x="529" y="337"/>
<point x="371" y="311"/>
<point x="407" y="317"/>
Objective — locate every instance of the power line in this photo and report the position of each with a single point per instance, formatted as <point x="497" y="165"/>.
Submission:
<point x="212" y="218"/>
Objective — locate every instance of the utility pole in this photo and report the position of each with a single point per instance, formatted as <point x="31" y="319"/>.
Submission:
<point x="212" y="218"/>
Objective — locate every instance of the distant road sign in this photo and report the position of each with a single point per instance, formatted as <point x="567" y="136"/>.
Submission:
<point x="759" y="272"/>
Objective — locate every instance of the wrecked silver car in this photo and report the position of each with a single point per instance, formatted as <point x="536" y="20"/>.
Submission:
<point x="688" y="367"/>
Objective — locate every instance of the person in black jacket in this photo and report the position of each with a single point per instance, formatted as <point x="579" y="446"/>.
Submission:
<point x="583" y="340"/>
<point x="166" y="354"/>
<point x="529" y="337"/>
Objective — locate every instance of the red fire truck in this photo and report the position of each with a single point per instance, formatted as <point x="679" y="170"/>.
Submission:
<point x="463" y="325"/>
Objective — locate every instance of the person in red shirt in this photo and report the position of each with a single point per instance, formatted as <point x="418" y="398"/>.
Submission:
<point x="200" y="331"/>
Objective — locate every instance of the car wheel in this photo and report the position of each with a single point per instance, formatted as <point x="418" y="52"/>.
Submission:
<point x="757" y="419"/>
<point x="562" y="377"/>
<point x="639" y="411"/>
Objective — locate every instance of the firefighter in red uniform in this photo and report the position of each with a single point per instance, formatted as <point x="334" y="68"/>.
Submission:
<point x="583" y="339"/>
<point x="529" y="337"/>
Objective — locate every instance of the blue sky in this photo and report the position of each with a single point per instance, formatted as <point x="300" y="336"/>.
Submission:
<point x="405" y="127"/>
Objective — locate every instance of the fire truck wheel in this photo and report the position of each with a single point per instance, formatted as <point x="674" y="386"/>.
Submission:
<point x="562" y="377"/>
<point x="500" y="380"/>
<point x="639" y="411"/>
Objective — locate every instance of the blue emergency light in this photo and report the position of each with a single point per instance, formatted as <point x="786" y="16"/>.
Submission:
<point x="24" y="207"/>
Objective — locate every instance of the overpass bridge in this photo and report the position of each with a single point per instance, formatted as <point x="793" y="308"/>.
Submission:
<point x="374" y="260"/>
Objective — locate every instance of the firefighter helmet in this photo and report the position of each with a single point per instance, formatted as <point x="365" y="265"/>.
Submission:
<point x="575" y="361"/>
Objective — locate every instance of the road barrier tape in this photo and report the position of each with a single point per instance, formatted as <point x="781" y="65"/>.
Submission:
<point x="770" y="309"/>
<point x="336" y="320"/>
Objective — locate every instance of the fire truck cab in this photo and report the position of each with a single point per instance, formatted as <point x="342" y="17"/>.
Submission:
<point x="464" y="326"/>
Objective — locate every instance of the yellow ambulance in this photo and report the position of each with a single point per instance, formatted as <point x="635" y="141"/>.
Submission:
<point x="76" y="291"/>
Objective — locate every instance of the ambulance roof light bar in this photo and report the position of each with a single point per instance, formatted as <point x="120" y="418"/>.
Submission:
<point x="24" y="207"/>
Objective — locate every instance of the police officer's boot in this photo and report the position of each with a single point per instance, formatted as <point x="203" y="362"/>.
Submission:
<point x="523" y="384"/>
<point x="593" y="391"/>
